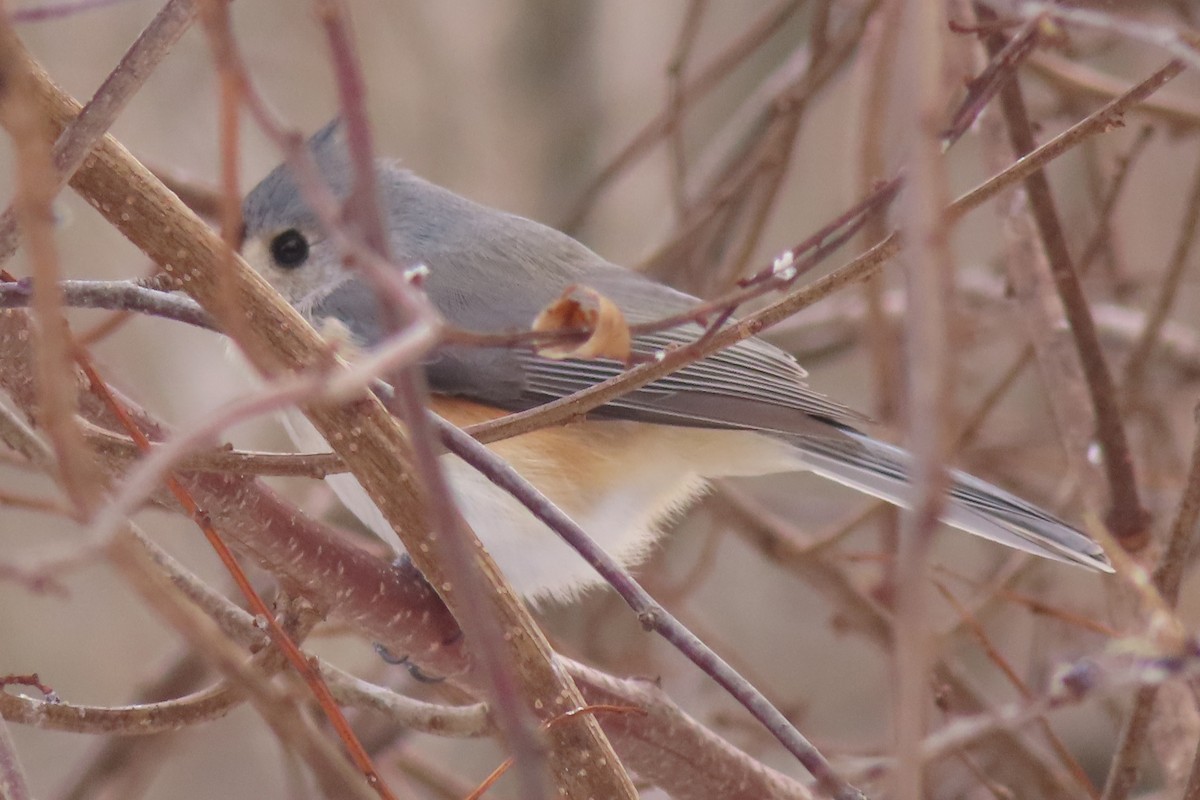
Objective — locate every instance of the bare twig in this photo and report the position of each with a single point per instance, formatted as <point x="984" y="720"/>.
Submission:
<point x="1166" y="37"/>
<point x="221" y="459"/>
<point x="50" y="11"/>
<point x="688" y="31"/>
<point x="1000" y="69"/>
<point x="1143" y="350"/>
<point x="650" y="613"/>
<point x="883" y="339"/>
<point x="706" y="78"/>
<point x="1098" y="121"/>
<point x="1056" y="743"/>
<point x="928" y="278"/>
<point x="1123" y="772"/>
<point x="114" y="296"/>
<point x="1126" y="516"/>
<point x="518" y="670"/>
<point x="33" y="213"/>
<point x="329" y="766"/>
<point x="106" y="104"/>
<point x="1102" y="237"/>
<point x="1076" y="77"/>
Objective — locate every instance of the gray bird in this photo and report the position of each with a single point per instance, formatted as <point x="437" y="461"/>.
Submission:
<point x="624" y="471"/>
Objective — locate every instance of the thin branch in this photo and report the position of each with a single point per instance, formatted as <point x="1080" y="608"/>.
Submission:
<point x="989" y="649"/>
<point x="238" y="462"/>
<point x="82" y="134"/>
<point x="13" y="784"/>
<point x="327" y="763"/>
<point x="1143" y="350"/>
<point x="32" y="212"/>
<point x="1072" y="76"/>
<point x="1099" y="121"/>
<point x="114" y="296"/>
<point x="1125" y="766"/>
<point x="650" y="613"/>
<point x="1101" y="238"/>
<point x="688" y="32"/>
<point x="53" y="11"/>
<point x="1126" y="516"/>
<point x="1165" y="37"/>
<point x="517" y="670"/>
<point x="707" y="77"/>
<point x="928" y="279"/>
<point x="1000" y="69"/>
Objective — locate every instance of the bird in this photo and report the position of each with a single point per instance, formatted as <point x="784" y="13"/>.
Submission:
<point x="630" y="466"/>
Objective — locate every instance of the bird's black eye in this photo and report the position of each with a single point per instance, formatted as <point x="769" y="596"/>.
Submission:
<point x="289" y="249"/>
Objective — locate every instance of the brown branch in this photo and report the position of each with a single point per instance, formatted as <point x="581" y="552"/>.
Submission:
<point x="1143" y="350"/>
<point x="928" y="280"/>
<point x="1101" y="238"/>
<point x="707" y="77"/>
<point x="520" y="679"/>
<point x="238" y="462"/>
<point x="1126" y="516"/>
<point x="332" y="770"/>
<point x="783" y="544"/>
<point x="35" y="189"/>
<point x="114" y="296"/>
<point x="13" y="784"/>
<point x="652" y="615"/>
<point x="1073" y="76"/>
<point x="689" y="29"/>
<point x="150" y="48"/>
<point x="1125" y="767"/>
<point x="1099" y="121"/>
<point x="386" y="605"/>
<point x="1056" y="744"/>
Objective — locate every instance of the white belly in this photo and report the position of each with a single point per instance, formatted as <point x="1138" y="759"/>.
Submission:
<point x="642" y="474"/>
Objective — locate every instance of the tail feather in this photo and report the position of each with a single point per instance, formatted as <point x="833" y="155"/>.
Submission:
<point x="975" y="506"/>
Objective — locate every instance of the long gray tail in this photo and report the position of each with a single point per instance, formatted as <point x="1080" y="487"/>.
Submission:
<point x="975" y="506"/>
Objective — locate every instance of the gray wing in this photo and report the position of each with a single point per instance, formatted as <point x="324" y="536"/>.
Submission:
<point x="493" y="272"/>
